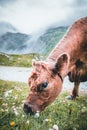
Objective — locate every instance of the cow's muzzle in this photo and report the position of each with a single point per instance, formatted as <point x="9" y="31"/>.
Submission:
<point x="28" y="110"/>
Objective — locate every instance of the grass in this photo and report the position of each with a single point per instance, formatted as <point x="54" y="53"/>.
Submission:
<point x="23" y="60"/>
<point x="68" y="115"/>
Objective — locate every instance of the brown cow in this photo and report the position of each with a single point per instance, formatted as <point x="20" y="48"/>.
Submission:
<point x="69" y="57"/>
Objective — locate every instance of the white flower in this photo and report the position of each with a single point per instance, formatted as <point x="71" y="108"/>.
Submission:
<point x="7" y="93"/>
<point x="14" y="110"/>
<point x="84" y="107"/>
<point x="23" y="115"/>
<point x="16" y="113"/>
<point x="46" y="120"/>
<point x="27" y="122"/>
<point x="23" y="101"/>
<point x="55" y="127"/>
<point x="6" y="110"/>
<point x="13" y="103"/>
<point x="37" y="114"/>
<point x="15" y="97"/>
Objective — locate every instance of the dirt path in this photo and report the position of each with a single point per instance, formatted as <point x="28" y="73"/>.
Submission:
<point x="21" y="74"/>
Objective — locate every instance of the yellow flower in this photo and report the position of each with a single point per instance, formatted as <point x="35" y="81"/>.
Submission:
<point x="12" y="123"/>
<point x="49" y="120"/>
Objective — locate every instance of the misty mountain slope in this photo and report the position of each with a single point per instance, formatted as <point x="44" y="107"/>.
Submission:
<point x="42" y="43"/>
<point x="7" y="27"/>
<point x="47" y="41"/>
<point x="51" y="38"/>
<point x="11" y="42"/>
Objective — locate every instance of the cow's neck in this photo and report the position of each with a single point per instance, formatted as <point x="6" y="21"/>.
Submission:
<point x="61" y="47"/>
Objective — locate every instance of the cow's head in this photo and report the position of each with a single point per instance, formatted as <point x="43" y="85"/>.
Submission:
<point x="45" y="84"/>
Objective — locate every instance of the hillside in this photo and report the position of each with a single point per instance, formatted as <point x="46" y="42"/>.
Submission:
<point x="11" y="42"/>
<point x="51" y="38"/>
<point x="23" y="60"/>
<point x="45" y="42"/>
<point x="20" y="43"/>
<point x="7" y="27"/>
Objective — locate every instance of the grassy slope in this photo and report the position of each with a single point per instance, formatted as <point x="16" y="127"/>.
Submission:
<point x="57" y="113"/>
<point x="24" y="60"/>
<point x="49" y="40"/>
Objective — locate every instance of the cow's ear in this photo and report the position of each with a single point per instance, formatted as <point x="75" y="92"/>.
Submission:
<point x="33" y="62"/>
<point x="62" y="62"/>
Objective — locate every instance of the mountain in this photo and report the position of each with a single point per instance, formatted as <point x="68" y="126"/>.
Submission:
<point x="13" y="42"/>
<point x="47" y="41"/>
<point x="42" y="43"/>
<point x="51" y="38"/>
<point x="6" y="27"/>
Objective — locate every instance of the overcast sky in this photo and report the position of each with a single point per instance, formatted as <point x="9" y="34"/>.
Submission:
<point x="32" y="15"/>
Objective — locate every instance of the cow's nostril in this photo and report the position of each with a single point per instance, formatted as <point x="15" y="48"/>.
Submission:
<point x="28" y="109"/>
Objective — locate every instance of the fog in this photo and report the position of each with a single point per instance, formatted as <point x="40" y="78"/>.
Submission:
<point x="30" y="16"/>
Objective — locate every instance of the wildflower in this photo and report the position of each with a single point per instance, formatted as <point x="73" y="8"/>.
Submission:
<point x="12" y="123"/>
<point x="16" y="112"/>
<point x="27" y="122"/>
<point x="23" y="115"/>
<point x="6" y="110"/>
<point x="55" y="127"/>
<point x="15" y="97"/>
<point x="23" y="101"/>
<point x="46" y="120"/>
<point x="7" y="93"/>
<point x="84" y="107"/>
<point x="13" y="108"/>
<point x="13" y="103"/>
<point x="37" y="114"/>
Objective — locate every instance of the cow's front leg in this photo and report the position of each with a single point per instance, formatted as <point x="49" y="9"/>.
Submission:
<point x="75" y="90"/>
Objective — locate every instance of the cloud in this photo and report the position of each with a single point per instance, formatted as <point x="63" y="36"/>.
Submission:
<point x="32" y="15"/>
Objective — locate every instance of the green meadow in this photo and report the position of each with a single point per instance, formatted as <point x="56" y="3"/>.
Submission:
<point x="66" y="114"/>
<point x="22" y="60"/>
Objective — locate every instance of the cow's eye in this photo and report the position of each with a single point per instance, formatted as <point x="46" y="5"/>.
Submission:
<point x="41" y="87"/>
<point x="44" y="85"/>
